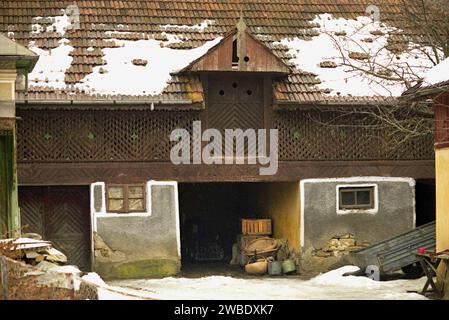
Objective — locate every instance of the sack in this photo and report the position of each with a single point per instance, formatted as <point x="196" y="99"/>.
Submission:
<point x="260" y="267"/>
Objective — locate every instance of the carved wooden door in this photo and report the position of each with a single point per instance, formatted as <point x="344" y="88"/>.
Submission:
<point x="235" y="102"/>
<point x="61" y="215"/>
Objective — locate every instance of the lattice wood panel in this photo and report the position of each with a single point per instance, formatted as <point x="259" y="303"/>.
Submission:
<point x="303" y="137"/>
<point x="75" y="136"/>
<point x="56" y="136"/>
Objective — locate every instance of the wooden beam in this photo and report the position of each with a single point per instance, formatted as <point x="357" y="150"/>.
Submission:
<point x="136" y="172"/>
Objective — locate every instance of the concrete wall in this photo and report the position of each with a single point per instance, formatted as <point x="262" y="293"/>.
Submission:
<point x="280" y="202"/>
<point x="442" y="206"/>
<point x="137" y="245"/>
<point x="394" y="214"/>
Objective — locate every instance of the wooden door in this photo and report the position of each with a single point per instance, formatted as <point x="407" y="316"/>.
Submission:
<point x="235" y="102"/>
<point x="61" y="215"/>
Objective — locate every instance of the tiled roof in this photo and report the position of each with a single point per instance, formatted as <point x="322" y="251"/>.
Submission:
<point x="271" y="21"/>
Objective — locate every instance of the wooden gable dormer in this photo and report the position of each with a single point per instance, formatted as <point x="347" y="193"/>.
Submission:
<point x="239" y="51"/>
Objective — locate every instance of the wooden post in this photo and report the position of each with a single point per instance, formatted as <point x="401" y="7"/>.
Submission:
<point x="4" y="277"/>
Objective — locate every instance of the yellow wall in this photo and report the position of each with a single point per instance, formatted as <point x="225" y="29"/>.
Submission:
<point x="442" y="201"/>
<point x="6" y="90"/>
<point x="281" y="203"/>
<point x="442" y="204"/>
<point x="7" y="81"/>
<point x="7" y="93"/>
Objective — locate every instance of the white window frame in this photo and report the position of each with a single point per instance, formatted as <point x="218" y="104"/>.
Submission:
<point x="374" y="210"/>
<point x="103" y="213"/>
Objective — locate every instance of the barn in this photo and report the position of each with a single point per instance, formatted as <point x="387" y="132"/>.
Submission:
<point x="119" y="84"/>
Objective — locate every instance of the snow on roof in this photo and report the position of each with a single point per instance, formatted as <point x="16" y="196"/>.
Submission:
<point x="58" y="24"/>
<point x="121" y="76"/>
<point x="351" y="57"/>
<point x="438" y="74"/>
<point x="52" y="64"/>
<point x="197" y="27"/>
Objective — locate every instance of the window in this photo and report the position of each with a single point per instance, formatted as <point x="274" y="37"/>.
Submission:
<point x="235" y="58"/>
<point x="125" y="198"/>
<point x="356" y="198"/>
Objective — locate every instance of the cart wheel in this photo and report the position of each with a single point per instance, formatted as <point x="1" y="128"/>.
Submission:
<point x="413" y="271"/>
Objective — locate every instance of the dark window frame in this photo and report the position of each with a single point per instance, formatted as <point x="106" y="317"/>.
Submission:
<point x="126" y="197"/>
<point x="356" y="206"/>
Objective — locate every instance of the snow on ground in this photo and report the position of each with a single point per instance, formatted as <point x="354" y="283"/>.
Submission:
<point x="106" y="292"/>
<point x="438" y="74"/>
<point x="353" y="46"/>
<point x="331" y="285"/>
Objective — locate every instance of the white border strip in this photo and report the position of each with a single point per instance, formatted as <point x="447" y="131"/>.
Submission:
<point x="369" y="179"/>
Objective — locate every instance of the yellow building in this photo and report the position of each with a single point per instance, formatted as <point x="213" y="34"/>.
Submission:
<point x="15" y="63"/>
<point x="442" y="180"/>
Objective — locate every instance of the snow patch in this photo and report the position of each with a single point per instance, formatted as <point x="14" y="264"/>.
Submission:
<point x="123" y="77"/>
<point x="94" y="278"/>
<point x="116" y="33"/>
<point x="197" y="27"/>
<point x="171" y="38"/>
<point x="438" y="74"/>
<point x="336" y="278"/>
<point x="354" y="45"/>
<point x="60" y="24"/>
<point x="51" y="66"/>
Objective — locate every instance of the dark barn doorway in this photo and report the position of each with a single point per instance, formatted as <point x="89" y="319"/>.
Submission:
<point x="211" y="213"/>
<point x="60" y="214"/>
<point x="425" y="201"/>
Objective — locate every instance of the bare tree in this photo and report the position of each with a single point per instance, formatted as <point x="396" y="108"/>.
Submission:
<point x="423" y="30"/>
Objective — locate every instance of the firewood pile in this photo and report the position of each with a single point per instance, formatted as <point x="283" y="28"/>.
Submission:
<point x="32" y="251"/>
